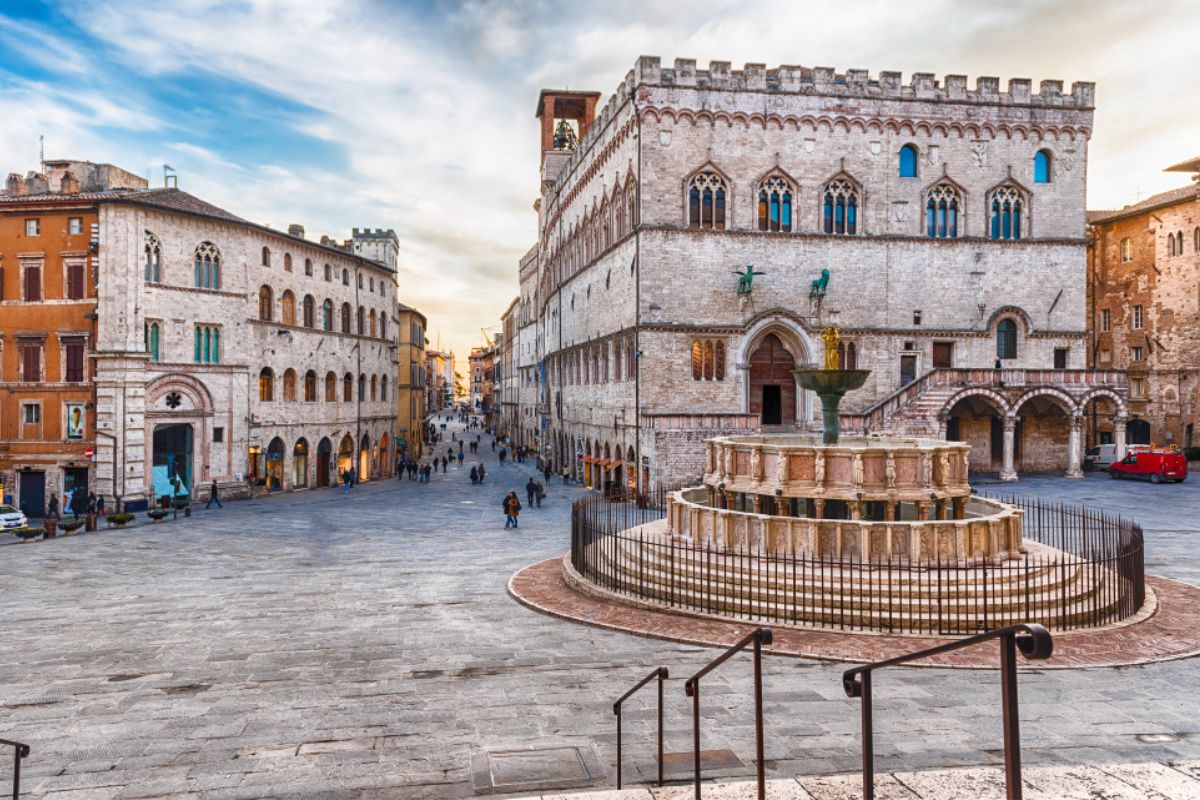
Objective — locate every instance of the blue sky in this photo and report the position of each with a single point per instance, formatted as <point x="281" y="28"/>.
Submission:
<point x="419" y="115"/>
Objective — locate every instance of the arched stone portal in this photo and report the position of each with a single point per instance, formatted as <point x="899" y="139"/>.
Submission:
<point x="771" y="385"/>
<point x="324" y="459"/>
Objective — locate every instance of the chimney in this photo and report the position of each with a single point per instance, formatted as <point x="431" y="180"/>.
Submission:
<point x="15" y="184"/>
<point x="296" y="230"/>
<point x="69" y="183"/>
<point x="37" y="183"/>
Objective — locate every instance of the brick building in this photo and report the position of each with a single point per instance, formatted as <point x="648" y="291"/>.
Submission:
<point x="48" y="223"/>
<point x="942" y="228"/>
<point x="1143" y="262"/>
<point x="410" y="380"/>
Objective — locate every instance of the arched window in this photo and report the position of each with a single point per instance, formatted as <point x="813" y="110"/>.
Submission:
<point x="1006" y="209"/>
<point x="328" y="272"/>
<point x="310" y="386"/>
<point x="383" y="388"/>
<point x="330" y="387"/>
<point x="266" y="256"/>
<point x="152" y="338"/>
<point x="266" y="303"/>
<point x="1170" y="244"/>
<point x="374" y="387"/>
<point x="289" y="385"/>
<point x="327" y="315"/>
<point x="1042" y="167"/>
<point x="707" y="195"/>
<point x="372" y="315"/>
<point x="153" y="252"/>
<point x="941" y="212"/>
<point x="382" y="325"/>
<point x="266" y="385"/>
<point x="208" y="266"/>
<point x="345" y="277"/>
<point x="1179" y="243"/>
<point x="839" y="208"/>
<point x="908" y="161"/>
<point x="1126" y="250"/>
<point x="1196" y="240"/>
<point x="346" y="312"/>
<point x="775" y="204"/>
<point x="1006" y="339"/>
<point x="851" y="361"/>
<point x="208" y="345"/>
<point x="362" y="387"/>
<point x="287" y="262"/>
<point x="708" y="360"/>
<point x="310" y="311"/>
<point x="347" y="387"/>
<point x="308" y="267"/>
<point x="287" y="305"/>
<point x="362" y="322"/>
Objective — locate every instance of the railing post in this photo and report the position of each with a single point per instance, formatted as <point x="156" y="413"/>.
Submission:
<point x="618" y="710"/>
<point x="758" y="716"/>
<point x="661" y="675"/>
<point x="1012" y="723"/>
<point x="868" y="737"/>
<point x="695" y="687"/>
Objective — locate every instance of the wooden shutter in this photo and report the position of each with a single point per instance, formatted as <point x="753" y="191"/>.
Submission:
<point x="75" y="282"/>
<point x="31" y="363"/>
<point x="33" y="284"/>
<point x="74" y="362"/>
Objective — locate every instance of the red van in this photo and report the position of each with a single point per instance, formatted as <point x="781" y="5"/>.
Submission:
<point x="1156" y="464"/>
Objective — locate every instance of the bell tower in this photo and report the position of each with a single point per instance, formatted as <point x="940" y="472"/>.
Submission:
<point x="566" y="117"/>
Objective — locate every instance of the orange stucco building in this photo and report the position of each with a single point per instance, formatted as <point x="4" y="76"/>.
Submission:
<point x="47" y="331"/>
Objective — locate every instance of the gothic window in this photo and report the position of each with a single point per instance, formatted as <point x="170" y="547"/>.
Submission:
<point x="775" y="205"/>
<point x="1196" y="241"/>
<point x="327" y="315"/>
<point x="1170" y="244"/>
<point x="266" y="256"/>
<point x="310" y="386"/>
<point x="287" y="262"/>
<point x="619" y="213"/>
<point x="207" y="348"/>
<point x="153" y="253"/>
<point x="362" y="322"/>
<point x="908" y="161"/>
<point x="1178" y="245"/>
<point x="383" y="388"/>
<point x="347" y="387"/>
<point x="1006" y="339"/>
<point x="851" y="359"/>
<point x="372" y="323"/>
<point x="630" y="359"/>
<point x="839" y="208"/>
<point x="374" y="387"/>
<point x="308" y="267"/>
<point x="310" y="308"/>
<point x="708" y="360"/>
<point x="382" y="325"/>
<point x="617" y="348"/>
<point x="1041" y="167"/>
<point x="941" y="212"/>
<point x="266" y="385"/>
<point x="287" y="304"/>
<point x="631" y="201"/>
<point x="345" y="277"/>
<point x="362" y="387"/>
<point x="606" y="227"/>
<point x="208" y="266"/>
<point x="346" y="314"/>
<point x="328" y="273"/>
<point x="289" y="385"/>
<point x="266" y="303"/>
<point x="330" y="387"/>
<point x="707" y="195"/>
<point x="1006" y="209"/>
<point x="152" y="340"/>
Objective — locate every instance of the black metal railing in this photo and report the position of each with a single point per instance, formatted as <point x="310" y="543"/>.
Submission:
<point x="20" y="751"/>
<point x="758" y="638"/>
<point x="1034" y="642"/>
<point x="661" y="673"/>
<point x="1094" y="575"/>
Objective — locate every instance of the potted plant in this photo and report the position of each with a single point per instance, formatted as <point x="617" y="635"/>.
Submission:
<point x="28" y="533"/>
<point x="71" y="526"/>
<point x="120" y="519"/>
<point x="157" y="514"/>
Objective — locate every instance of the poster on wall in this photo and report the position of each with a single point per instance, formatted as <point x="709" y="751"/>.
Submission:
<point x="74" y="420"/>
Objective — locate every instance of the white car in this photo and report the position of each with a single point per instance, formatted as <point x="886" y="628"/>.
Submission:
<point x="11" y="518"/>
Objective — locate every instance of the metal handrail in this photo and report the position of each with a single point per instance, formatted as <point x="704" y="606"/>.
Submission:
<point x="691" y="688"/>
<point x="662" y="674"/>
<point x="1034" y="642"/>
<point x="20" y="750"/>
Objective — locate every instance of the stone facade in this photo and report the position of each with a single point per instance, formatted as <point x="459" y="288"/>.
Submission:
<point x="410" y="380"/>
<point x="1145" y="311"/>
<point x="639" y="318"/>
<point x="230" y="352"/>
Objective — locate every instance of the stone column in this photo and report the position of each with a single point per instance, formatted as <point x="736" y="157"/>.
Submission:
<point x="1073" y="446"/>
<point x="1007" y="472"/>
<point x="960" y="507"/>
<point x="756" y="503"/>
<point x="890" y="511"/>
<point x="820" y="508"/>
<point x="922" y="510"/>
<point x="1119" y="434"/>
<point x="856" y="509"/>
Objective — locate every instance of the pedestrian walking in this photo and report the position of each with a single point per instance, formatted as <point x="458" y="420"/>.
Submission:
<point x="539" y="492"/>
<point x="503" y="455"/>
<point x="346" y="482"/>
<point x="460" y="458"/>
<point x="512" y="509"/>
<point x="100" y="504"/>
<point x="213" y="496"/>
<point x="52" y="507"/>
<point x="474" y="476"/>
<point x="444" y="463"/>
<point x="91" y="503"/>
<point x="566" y="476"/>
<point x="529" y="490"/>
<point x="493" y="444"/>
<point x="482" y="473"/>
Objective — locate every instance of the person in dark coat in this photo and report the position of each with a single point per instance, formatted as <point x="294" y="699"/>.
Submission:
<point x="52" y="507"/>
<point x="214" y="496"/>
<point x="530" y="489"/>
<point x="474" y="476"/>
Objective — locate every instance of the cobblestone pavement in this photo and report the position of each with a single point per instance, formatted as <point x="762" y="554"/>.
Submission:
<point x="324" y="645"/>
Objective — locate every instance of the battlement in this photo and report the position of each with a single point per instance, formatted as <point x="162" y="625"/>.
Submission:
<point x="377" y="233"/>
<point x="859" y="83"/>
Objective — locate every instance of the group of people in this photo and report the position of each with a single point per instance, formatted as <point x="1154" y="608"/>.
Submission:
<point x="75" y="503"/>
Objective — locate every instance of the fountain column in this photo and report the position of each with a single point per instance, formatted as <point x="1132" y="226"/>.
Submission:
<point x="1073" y="447"/>
<point x="1119" y="429"/>
<point x="1007" y="472"/>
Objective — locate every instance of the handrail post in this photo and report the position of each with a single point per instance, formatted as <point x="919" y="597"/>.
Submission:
<point x="868" y="737"/>
<point x="1012" y="722"/>
<point x="696" y="735"/>
<point x="758" y="718"/>
<point x="662" y="673"/>
<point x="618" y="710"/>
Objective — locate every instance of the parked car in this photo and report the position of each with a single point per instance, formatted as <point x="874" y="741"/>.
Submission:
<point x="1100" y="457"/>
<point x="12" y="518"/>
<point x="1155" y="464"/>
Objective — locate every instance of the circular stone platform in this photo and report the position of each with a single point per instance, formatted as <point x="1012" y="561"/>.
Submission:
<point x="1167" y="628"/>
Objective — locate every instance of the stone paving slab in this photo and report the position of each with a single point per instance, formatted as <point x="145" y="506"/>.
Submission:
<point x="1172" y="631"/>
